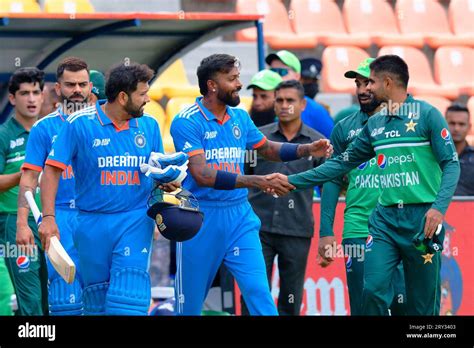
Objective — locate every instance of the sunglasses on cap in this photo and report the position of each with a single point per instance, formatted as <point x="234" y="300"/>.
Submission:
<point x="280" y="71"/>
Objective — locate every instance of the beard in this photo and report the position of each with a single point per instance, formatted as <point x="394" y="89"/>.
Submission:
<point x="311" y="89"/>
<point x="134" y="110"/>
<point x="262" y="118"/>
<point x="371" y="106"/>
<point x="228" y="99"/>
<point x="73" y="105"/>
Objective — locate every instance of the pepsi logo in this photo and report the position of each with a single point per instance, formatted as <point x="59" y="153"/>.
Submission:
<point x="445" y="134"/>
<point x="23" y="262"/>
<point x="362" y="166"/>
<point x="381" y="161"/>
<point x="348" y="260"/>
<point x="369" y="242"/>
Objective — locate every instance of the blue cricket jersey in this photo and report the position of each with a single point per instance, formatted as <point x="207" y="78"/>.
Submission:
<point x="195" y="130"/>
<point x="106" y="160"/>
<point x="317" y="117"/>
<point x="42" y="136"/>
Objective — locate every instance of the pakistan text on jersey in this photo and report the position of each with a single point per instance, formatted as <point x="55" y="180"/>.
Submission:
<point x="120" y="161"/>
<point x="387" y="180"/>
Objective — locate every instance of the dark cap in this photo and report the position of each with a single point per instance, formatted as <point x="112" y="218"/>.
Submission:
<point x="311" y="68"/>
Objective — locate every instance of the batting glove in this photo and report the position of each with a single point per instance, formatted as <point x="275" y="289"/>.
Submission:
<point x="160" y="160"/>
<point x="167" y="175"/>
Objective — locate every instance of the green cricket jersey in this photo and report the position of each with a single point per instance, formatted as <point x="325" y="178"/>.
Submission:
<point x="361" y="195"/>
<point x="414" y="151"/>
<point x="13" y="138"/>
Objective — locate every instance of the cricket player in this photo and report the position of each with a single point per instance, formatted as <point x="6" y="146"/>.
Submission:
<point x="106" y="144"/>
<point x="419" y="171"/>
<point x="215" y="135"/>
<point x="361" y="199"/>
<point x="74" y="88"/>
<point x="27" y="266"/>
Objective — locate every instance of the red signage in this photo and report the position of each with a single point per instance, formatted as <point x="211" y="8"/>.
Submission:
<point x="325" y="289"/>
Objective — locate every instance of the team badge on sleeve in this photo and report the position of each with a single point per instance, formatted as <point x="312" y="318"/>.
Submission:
<point x="369" y="242"/>
<point x="348" y="260"/>
<point x="445" y="134"/>
<point x="23" y="262"/>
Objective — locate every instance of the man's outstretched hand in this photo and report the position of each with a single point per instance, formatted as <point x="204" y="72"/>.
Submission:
<point x="318" y="148"/>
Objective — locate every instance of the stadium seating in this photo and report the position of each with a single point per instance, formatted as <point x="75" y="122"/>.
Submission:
<point x="175" y="105"/>
<point x="461" y="19"/>
<point x="438" y="102"/>
<point x="245" y="102"/>
<point x="454" y="66"/>
<point x="68" y="6"/>
<point x="168" y="143"/>
<point x="277" y="30"/>
<point x="155" y="110"/>
<point x="323" y="20"/>
<point x="336" y="61"/>
<point x="376" y="20"/>
<point x="19" y="6"/>
<point x="426" y="18"/>
<point x="421" y="78"/>
<point x="173" y="82"/>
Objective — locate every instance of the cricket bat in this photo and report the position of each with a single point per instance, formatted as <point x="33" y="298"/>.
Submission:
<point x="58" y="257"/>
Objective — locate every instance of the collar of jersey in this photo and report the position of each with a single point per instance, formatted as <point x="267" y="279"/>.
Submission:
<point x="19" y="129"/>
<point x="61" y="113"/>
<point x="105" y="120"/>
<point x="209" y="116"/>
<point x="409" y="99"/>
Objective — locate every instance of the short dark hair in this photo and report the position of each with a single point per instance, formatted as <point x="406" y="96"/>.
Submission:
<point x="25" y="75"/>
<point x="125" y="78"/>
<point x="73" y="64"/>
<point x="456" y="107"/>
<point x="291" y="84"/>
<point x="394" y="65"/>
<point x="216" y="63"/>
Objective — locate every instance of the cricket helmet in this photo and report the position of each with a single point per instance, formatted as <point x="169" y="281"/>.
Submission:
<point x="176" y="214"/>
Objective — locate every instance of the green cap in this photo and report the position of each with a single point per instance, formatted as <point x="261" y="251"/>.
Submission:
<point x="98" y="83"/>
<point x="363" y="69"/>
<point x="266" y="79"/>
<point x="287" y="58"/>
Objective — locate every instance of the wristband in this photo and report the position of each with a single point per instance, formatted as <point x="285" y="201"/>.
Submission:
<point x="225" y="180"/>
<point x="288" y="152"/>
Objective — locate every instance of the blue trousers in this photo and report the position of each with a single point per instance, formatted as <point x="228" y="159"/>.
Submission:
<point x="114" y="253"/>
<point x="230" y="233"/>
<point x="65" y="299"/>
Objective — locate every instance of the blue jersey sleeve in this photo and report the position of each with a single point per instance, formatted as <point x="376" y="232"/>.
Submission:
<point x="64" y="147"/>
<point x="255" y="138"/>
<point x="187" y="136"/>
<point x="37" y="148"/>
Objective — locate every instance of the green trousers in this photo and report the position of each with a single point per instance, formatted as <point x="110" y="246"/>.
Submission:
<point x="6" y="289"/>
<point x="355" y="248"/>
<point x="393" y="229"/>
<point x="29" y="275"/>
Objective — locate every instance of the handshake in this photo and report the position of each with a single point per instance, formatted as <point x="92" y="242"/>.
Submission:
<point x="275" y="184"/>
